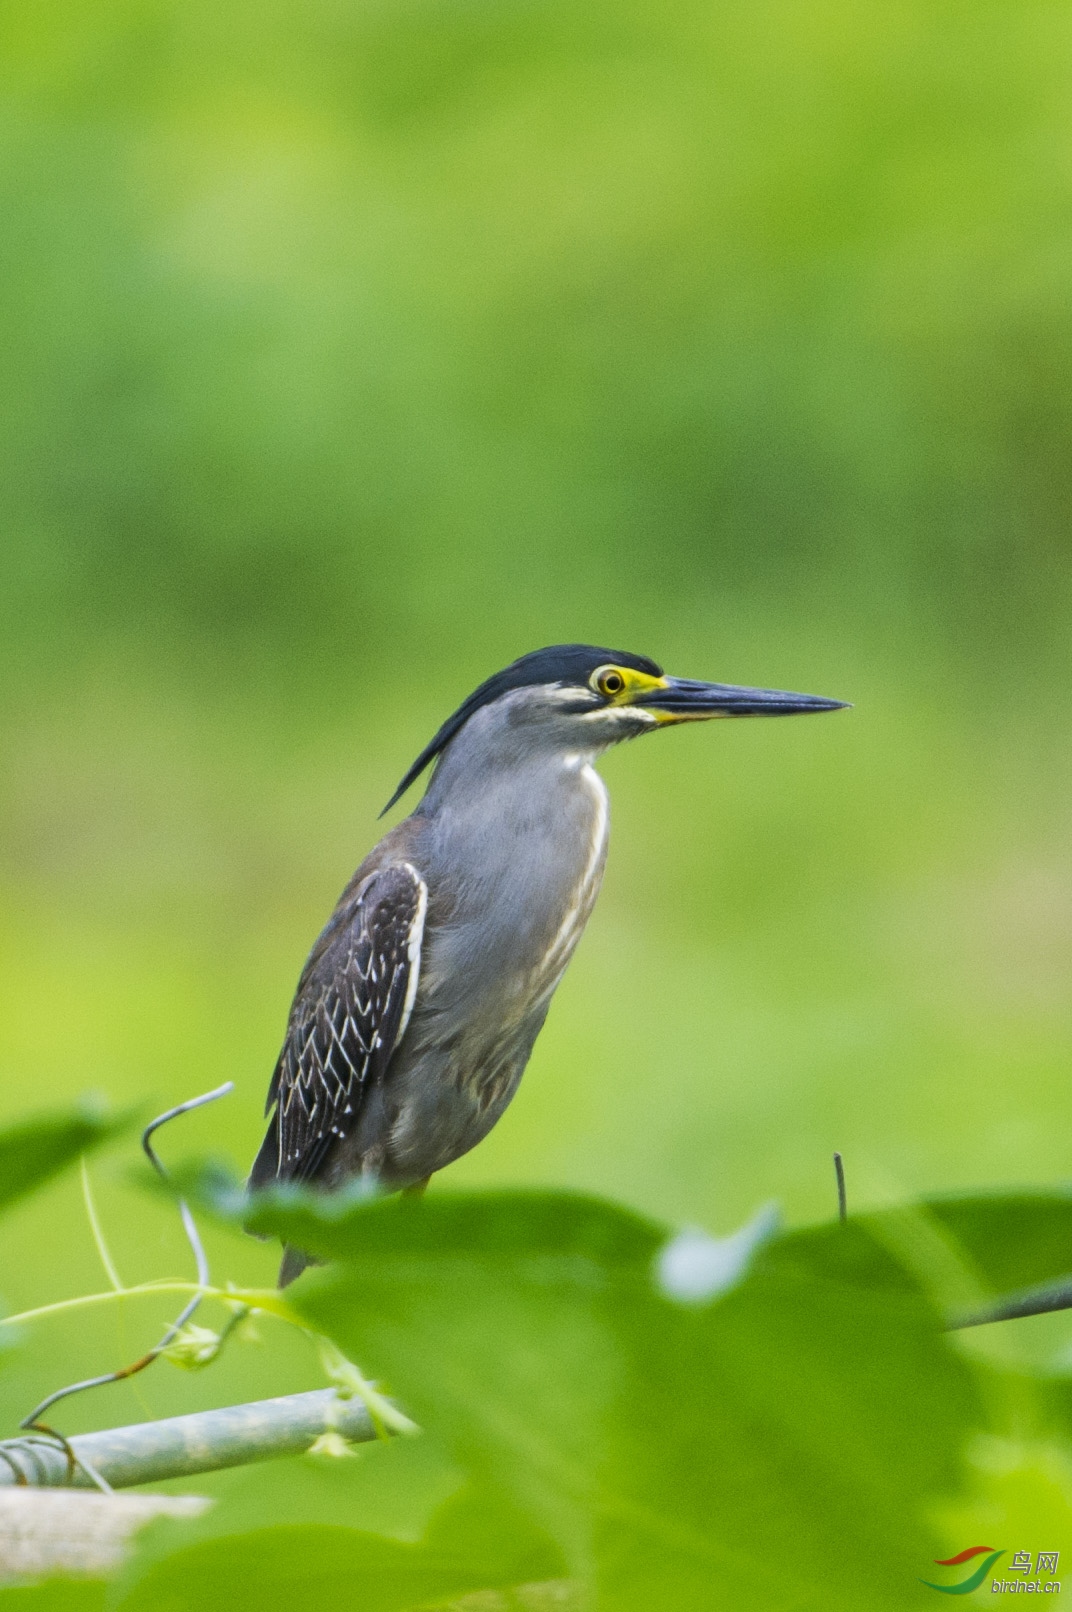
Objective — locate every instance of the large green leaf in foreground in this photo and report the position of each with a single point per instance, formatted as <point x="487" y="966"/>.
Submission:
<point x="780" y="1446"/>
<point x="669" y="1423"/>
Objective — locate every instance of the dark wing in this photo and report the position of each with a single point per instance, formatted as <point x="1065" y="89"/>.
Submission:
<point x="350" y="1012"/>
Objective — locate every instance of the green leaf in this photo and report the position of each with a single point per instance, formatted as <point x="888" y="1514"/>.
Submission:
<point x="1013" y="1241"/>
<point x="777" y="1447"/>
<point x="35" y="1149"/>
<point x="55" y="1595"/>
<point x="476" y="1541"/>
<point x="500" y="1227"/>
<point x="392" y="1488"/>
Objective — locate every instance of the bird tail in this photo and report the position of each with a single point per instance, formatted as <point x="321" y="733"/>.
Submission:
<point x="294" y="1262"/>
<point x="266" y="1165"/>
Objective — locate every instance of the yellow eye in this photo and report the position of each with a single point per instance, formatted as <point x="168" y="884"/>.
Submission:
<point x="610" y="682"/>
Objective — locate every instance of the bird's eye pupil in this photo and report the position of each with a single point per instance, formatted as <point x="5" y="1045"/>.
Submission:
<point x="612" y="682"/>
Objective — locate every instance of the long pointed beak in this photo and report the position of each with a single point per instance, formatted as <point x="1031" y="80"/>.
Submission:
<point x="685" y="701"/>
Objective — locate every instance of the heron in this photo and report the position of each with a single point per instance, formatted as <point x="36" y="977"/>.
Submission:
<point x="417" y="1010"/>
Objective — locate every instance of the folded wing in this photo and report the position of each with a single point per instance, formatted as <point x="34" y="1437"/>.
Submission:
<point x="350" y="1012"/>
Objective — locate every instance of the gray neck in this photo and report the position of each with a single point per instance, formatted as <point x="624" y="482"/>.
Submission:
<point x="511" y="745"/>
<point x="513" y="824"/>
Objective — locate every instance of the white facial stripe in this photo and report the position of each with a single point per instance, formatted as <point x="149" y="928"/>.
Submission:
<point x="568" y="694"/>
<point x="620" y="713"/>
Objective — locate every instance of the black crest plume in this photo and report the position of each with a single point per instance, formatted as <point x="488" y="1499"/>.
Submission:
<point x="560" y="663"/>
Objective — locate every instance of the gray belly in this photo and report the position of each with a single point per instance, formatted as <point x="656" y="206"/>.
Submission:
<point x="442" y="1103"/>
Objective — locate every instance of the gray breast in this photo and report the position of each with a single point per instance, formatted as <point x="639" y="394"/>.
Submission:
<point x="512" y="879"/>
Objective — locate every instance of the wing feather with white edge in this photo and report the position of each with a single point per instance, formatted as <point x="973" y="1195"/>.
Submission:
<point x="350" y="1012"/>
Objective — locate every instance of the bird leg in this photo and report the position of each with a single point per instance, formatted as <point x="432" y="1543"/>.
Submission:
<point x="416" y="1189"/>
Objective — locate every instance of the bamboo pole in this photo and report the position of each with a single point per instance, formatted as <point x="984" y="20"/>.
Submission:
<point x="181" y="1446"/>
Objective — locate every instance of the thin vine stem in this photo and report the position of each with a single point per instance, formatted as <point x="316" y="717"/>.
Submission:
<point x="197" y="1291"/>
<point x="257" y="1298"/>
<point x="96" y="1228"/>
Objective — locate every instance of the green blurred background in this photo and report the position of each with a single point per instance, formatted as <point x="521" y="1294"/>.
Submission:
<point x="352" y="349"/>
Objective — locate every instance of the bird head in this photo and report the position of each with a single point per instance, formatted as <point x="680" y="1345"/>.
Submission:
<point x="583" y="698"/>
